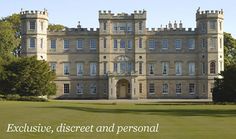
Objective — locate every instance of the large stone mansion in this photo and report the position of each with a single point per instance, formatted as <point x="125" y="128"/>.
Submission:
<point x="124" y="59"/>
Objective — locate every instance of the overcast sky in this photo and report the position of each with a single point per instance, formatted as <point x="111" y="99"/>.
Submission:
<point x="159" y="12"/>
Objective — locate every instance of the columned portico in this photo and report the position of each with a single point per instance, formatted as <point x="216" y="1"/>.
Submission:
<point x="122" y="87"/>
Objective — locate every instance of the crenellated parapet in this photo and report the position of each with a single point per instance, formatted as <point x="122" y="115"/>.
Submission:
<point x="171" y="30"/>
<point x="34" y="14"/>
<point x="209" y="14"/>
<point x="71" y="31"/>
<point x="109" y="15"/>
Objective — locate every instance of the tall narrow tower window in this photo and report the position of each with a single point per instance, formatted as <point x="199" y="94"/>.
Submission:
<point x="41" y="43"/>
<point x="213" y="67"/>
<point x="130" y="43"/>
<point x="122" y="43"/>
<point x="32" y="25"/>
<point x="105" y="25"/>
<point x="41" y="24"/>
<point x="140" y="43"/>
<point x="220" y="25"/>
<point x="115" y="43"/>
<point x="104" y="43"/>
<point x="140" y="68"/>
<point x="104" y="68"/>
<point x="32" y="42"/>
<point x="212" y="25"/>
<point x="140" y="25"/>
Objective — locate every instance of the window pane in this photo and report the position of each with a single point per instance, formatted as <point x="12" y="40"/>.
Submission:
<point x="80" y="44"/>
<point x="80" y="69"/>
<point x="191" y="44"/>
<point x="178" y="44"/>
<point x="66" y="69"/>
<point x="32" y="25"/>
<point x="66" y="88"/>
<point x="115" y="43"/>
<point x="93" y="44"/>
<point x="151" y="88"/>
<point x="32" y="42"/>
<point x="53" y="44"/>
<point x="66" y="44"/>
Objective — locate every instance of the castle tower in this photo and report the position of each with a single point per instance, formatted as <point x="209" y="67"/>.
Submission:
<point x="211" y="47"/>
<point x="121" y="36"/>
<point x="34" y="26"/>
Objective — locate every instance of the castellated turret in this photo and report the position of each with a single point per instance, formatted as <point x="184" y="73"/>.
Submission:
<point x="34" y="26"/>
<point x="211" y="41"/>
<point x="137" y="20"/>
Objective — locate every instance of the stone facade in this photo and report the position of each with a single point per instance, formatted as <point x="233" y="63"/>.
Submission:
<point x="124" y="59"/>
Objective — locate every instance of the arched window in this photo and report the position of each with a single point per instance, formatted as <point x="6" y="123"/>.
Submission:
<point x="213" y="67"/>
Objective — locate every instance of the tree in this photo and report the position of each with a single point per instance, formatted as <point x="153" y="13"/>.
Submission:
<point x="56" y="27"/>
<point x="8" y="40"/>
<point x="229" y="49"/>
<point x="28" y="76"/>
<point x="9" y="36"/>
<point x="225" y="88"/>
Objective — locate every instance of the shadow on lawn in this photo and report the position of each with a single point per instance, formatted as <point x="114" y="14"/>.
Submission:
<point x="167" y="112"/>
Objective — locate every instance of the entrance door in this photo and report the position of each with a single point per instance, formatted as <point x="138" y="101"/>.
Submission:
<point x="123" y="89"/>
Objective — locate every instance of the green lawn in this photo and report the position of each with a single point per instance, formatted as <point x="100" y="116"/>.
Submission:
<point x="175" y="121"/>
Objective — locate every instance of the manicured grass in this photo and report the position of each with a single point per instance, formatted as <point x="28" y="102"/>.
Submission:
<point x="175" y="121"/>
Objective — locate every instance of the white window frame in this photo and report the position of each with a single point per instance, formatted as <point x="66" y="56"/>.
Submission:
<point x="164" y="44"/>
<point x="191" y="44"/>
<point x="151" y="88"/>
<point x="93" y="69"/>
<point x="178" y="68"/>
<point x="32" y="42"/>
<point x="80" y="69"/>
<point x="165" y="88"/>
<point x="93" y="44"/>
<point x="80" y="44"/>
<point x="165" y="68"/>
<point x="191" y="68"/>
<point x="178" y="44"/>
<point x="151" y="66"/>
<point x="66" y="69"/>
<point x="152" y="44"/>
<point x="53" y="44"/>
<point x="66" y="44"/>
